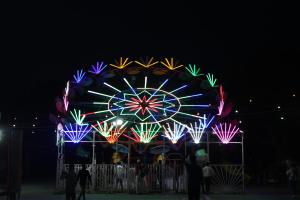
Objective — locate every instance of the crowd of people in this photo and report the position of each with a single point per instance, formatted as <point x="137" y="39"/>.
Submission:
<point x="199" y="178"/>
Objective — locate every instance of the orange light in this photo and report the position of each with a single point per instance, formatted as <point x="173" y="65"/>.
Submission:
<point x="122" y="64"/>
<point x="147" y="63"/>
<point x="170" y="64"/>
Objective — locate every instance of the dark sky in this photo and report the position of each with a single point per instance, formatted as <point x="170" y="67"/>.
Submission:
<point x="253" y="48"/>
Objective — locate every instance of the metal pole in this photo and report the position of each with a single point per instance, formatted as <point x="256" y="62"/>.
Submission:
<point x="243" y="162"/>
<point x="94" y="163"/>
<point x="207" y="146"/>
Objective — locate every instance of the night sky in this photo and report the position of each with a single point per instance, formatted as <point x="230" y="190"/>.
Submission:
<point x="252" y="47"/>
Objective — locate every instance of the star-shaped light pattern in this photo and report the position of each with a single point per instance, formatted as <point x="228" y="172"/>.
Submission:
<point x="144" y="133"/>
<point x="224" y="132"/>
<point x="146" y="104"/>
<point x="174" y="133"/>
<point x="143" y="104"/>
<point x="76" y="132"/>
<point x="196" y="130"/>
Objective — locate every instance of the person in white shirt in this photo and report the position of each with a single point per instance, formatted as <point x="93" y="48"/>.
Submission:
<point x="208" y="173"/>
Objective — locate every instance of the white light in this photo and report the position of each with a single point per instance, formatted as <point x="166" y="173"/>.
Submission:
<point x="278" y="107"/>
<point x="240" y="121"/>
<point x="14" y="125"/>
<point x="36" y="118"/>
<point x="236" y="111"/>
<point x="282" y="118"/>
<point x="294" y="95"/>
<point x="33" y="125"/>
<point x="250" y="100"/>
<point x="15" y="118"/>
<point x="119" y="122"/>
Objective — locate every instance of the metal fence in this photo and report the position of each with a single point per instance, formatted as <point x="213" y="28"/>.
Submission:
<point x="170" y="177"/>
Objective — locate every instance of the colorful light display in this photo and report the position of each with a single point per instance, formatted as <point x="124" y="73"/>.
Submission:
<point x="193" y="70"/>
<point x="145" y="133"/>
<point x="196" y="130"/>
<point x="212" y="81"/>
<point x="224" y="132"/>
<point x="174" y="133"/>
<point x="98" y="68"/>
<point x="76" y="132"/>
<point x="145" y="104"/>
<point x="79" y="76"/>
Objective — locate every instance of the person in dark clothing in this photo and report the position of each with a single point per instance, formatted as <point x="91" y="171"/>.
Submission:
<point x="84" y="178"/>
<point x="195" y="177"/>
<point x="70" y="178"/>
<point x="292" y="174"/>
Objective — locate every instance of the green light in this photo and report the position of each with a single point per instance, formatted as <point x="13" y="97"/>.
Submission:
<point x="211" y="79"/>
<point x="77" y="116"/>
<point x="146" y="132"/>
<point x="193" y="70"/>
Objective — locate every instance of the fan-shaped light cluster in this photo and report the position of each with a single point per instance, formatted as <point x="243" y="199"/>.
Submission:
<point x="225" y="132"/>
<point x="111" y="132"/>
<point x="78" y="76"/>
<point x="77" y="116"/>
<point x="144" y="133"/>
<point x="76" y="132"/>
<point x="175" y="132"/>
<point x="196" y="130"/>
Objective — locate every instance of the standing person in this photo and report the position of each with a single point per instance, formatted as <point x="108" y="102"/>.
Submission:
<point x="119" y="176"/>
<point x="195" y="177"/>
<point x="70" y="185"/>
<point x="208" y="173"/>
<point x="84" y="178"/>
<point x="292" y="175"/>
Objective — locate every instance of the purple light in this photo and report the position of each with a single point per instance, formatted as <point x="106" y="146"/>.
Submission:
<point x="98" y="68"/>
<point x="76" y="132"/>
<point x="79" y="76"/>
<point x="226" y="134"/>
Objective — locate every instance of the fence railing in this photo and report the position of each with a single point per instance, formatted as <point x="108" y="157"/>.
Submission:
<point x="171" y="177"/>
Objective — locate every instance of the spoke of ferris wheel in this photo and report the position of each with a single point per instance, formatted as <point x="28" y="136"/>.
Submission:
<point x="145" y="82"/>
<point x="153" y="117"/>
<point x="100" y="103"/>
<point x="132" y="89"/>
<point x="185" y="97"/>
<point x="100" y="111"/>
<point x="178" y="122"/>
<point x="178" y="89"/>
<point x="109" y="119"/>
<point x="112" y="87"/>
<point x="105" y="95"/>
<point x="183" y="113"/>
<point x="158" y="89"/>
<point x="199" y="105"/>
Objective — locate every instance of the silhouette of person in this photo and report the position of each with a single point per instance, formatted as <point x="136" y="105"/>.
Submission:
<point x="292" y="174"/>
<point x="84" y="178"/>
<point x="208" y="172"/>
<point x="119" y="175"/>
<point x="195" y="177"/>
<point x="71" y="181"/>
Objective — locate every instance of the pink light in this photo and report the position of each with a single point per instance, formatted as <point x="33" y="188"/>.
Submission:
<point x="227" y="134"/>
<point x="143" y="104"/>
<point x="220" y="107"/>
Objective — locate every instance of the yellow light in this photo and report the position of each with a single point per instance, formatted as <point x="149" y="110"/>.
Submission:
<point x="122" y="64"/>
<point x="147" y="63"/>
<point x="170" y="64"/>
